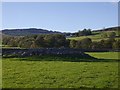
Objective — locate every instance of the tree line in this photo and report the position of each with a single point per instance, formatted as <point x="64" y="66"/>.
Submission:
<point x="87" y="43"/>
<point x="58" y="41"/>
<point x="108" y="35"/>
<point x="36" y="41"/>
<point x="84" y="32"/>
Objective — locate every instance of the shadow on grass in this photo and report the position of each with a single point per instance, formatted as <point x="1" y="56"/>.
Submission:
<point x="67" y="58"/>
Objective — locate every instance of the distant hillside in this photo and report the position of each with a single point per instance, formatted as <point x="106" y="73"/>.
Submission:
<point x="24" y="32"/>
<point x="108" y="29"/>
<point x="97" y="34"/>
<point x="33" y="31"/>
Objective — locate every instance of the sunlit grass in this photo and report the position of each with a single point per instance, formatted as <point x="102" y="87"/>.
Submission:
<point x="94" y="37"/>
<point x="20" y="73"/>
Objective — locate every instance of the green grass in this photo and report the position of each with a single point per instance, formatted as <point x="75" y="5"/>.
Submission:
<point x="105" y="55"/>
<point x="8" y="47"/>
<point x="26" y="73"/>
<point x="95" y="37"/>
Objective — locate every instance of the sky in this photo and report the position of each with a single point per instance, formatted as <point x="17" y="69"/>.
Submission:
<point x="59" y="16"/>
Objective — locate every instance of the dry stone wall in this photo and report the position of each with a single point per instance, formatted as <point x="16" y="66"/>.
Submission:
<point x="31" y="52"/>
<point x="45" y="51"/>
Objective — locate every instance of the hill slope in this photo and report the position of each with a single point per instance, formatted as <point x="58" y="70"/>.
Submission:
<point x="24" y="32"/>
<point x="97" y="34"/>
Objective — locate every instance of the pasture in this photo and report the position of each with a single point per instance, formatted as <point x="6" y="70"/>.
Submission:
<point x="95" y="37"/>
<point x="54" y="72"/>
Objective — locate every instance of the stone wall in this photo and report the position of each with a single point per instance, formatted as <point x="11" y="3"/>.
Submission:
<point x="31" y="52"/>
<point x="46" y="51"/>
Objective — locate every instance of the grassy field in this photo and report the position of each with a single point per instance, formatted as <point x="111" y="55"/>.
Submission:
<point x="41" y="72"/>
<point x="95" y="37"/>
<point x="105" y="55"/>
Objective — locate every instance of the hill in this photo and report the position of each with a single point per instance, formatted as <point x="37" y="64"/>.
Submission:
<point x="97" y="34"/>
<point x="29" y="31"/>
<point x="108" y="29"/>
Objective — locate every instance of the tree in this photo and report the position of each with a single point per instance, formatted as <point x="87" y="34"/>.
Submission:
<point x="67" y="43"/>
<point x="26" y="42"/>
<point x="49" y="41"/>
<point x="102" y="44"/>
<point x="75" y="34"/>
<point x="96" y="45"/>
<point x="116" y="45"/>
<point x="60" y="40"/>
<point x="86" y="43"/>
<point x="6" y="40"/>
<point x="73" y="43"/>
<point x="118" y="33"/>
<point x="111" y="34"/>
<point x="34" y="36"/>
<point x="78" y="44"/>
<point x="85" y="32"/>
<point x="104" y="35"/>
<point x="109" y="43"/>
<point x="39" y="41"/>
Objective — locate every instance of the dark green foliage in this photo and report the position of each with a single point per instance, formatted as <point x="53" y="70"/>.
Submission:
<point x="84" y="32"/>
<point x="59" y="41"/>
<point x="86" y="43"/>
<point x="49" y="41"/>
<point x="104" y="35"/>
<point x="83" y="44"/>
<point x="6" y="40"/>
<point x="112" y="35"/>
<point x="116" y="45"/>
<point x="104" y="44"/>
<point x="96" y="45"/>
<point x="73" y="43"/>
<point x="67" y="43"/>
<point x="78" y="44"/>
<point x="108" y="35"/>
<point x="37" y="41"/>
<point x="118" y="33"/>
<point x="29" y="31"/>
<point x="34" y="36"/>
<point x="108" y="43"/>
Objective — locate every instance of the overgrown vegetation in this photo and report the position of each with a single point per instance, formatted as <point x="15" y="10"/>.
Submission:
<point x="60" y="41"/>
<point x="84" y="32"/>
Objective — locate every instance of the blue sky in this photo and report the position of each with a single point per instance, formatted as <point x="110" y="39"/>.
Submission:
<point x="62" y="16"/>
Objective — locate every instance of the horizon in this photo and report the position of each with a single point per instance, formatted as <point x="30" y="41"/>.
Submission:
<point x="62" y="16"/>
<point x="59" y="30"/>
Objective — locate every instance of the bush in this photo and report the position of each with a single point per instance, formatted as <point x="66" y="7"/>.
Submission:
<point x="111" y="34"/>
